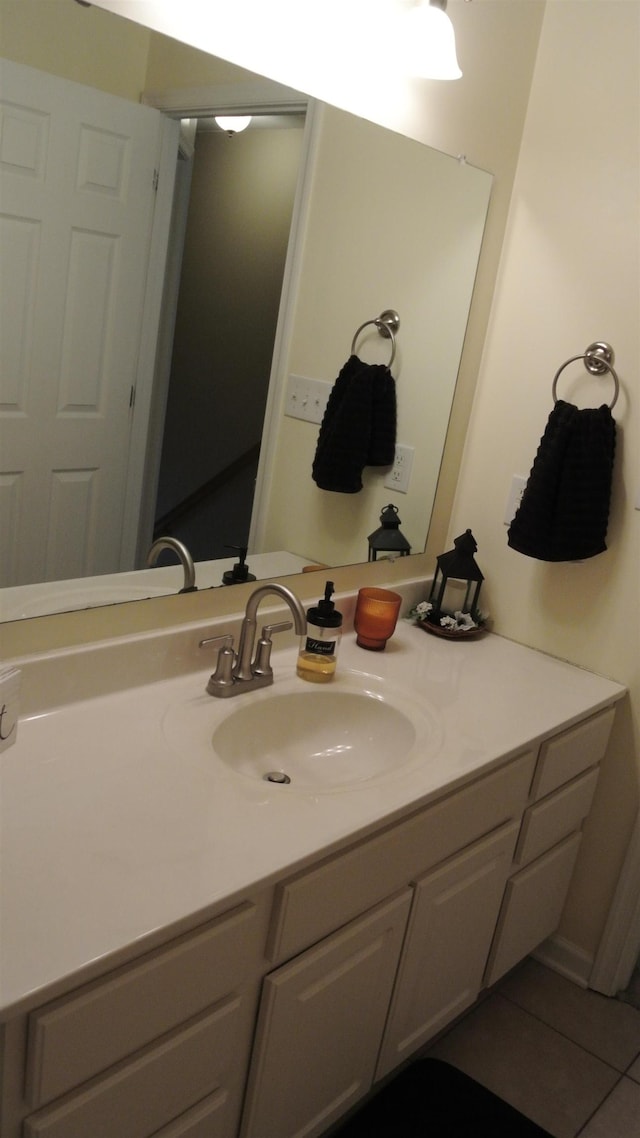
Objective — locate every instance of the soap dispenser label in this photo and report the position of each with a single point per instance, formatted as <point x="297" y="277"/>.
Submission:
<point x="320" y="647"/>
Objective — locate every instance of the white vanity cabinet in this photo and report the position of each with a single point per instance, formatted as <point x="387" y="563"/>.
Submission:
<point x="274" y="1018"/>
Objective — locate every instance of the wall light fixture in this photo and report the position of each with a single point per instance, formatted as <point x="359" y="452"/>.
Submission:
<point x="429" y="47"/>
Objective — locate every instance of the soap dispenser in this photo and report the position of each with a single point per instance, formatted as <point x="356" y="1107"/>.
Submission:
<point x="240" y="571"/>
<point x="318" y="652"/>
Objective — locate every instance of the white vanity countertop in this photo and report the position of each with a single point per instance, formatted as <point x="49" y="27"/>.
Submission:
<point x="110" y="832"/>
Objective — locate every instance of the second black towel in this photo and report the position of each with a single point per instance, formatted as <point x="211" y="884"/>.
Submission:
<point x="564" y="512"/>
<point x="358" y="428"/>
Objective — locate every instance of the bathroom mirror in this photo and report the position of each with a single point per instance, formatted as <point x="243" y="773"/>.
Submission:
<point x="332" y="528"/>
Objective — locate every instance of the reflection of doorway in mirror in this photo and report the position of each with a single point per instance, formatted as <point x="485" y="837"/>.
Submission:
<point x="240" y="207"/>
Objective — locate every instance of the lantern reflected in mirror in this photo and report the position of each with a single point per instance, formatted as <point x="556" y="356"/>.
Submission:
<point x="388" y="541"/>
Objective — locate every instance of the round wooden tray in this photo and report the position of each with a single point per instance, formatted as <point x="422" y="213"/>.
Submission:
<point x="450" y="633"/>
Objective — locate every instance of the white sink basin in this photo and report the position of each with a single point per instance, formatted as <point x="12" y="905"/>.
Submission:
<point x="350" y="733"/>
<point x="315" y="739"/>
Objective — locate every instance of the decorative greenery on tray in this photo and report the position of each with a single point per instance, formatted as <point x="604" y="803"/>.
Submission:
<point x="448" y="624"/>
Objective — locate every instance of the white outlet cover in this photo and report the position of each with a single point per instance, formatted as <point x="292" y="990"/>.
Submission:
<point x="399" y="476"/>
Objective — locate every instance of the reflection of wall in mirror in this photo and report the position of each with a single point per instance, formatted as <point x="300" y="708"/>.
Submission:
<point x="413" y="220"/>
<point x="86" y="46"/>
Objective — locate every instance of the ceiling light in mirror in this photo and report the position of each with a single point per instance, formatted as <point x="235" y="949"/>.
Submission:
<point x="233" y="124"/>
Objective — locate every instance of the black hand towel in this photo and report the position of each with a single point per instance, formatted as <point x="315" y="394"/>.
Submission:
<point x="358" y="428"/>
<point x="564" y="511"/>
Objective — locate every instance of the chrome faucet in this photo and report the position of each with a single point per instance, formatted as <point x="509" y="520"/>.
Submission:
<point x="237" y="672"/>
<point x="184" y="556"/>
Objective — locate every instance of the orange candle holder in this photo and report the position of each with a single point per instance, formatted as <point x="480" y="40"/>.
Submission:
<point x="376" y="617"/>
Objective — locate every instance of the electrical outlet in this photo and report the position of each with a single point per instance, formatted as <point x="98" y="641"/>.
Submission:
<point x="400" y="473"/>
<point x="518" y="483"/>
<point x="307" y="398"/>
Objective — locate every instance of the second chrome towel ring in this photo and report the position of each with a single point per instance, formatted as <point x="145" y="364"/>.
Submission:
<point x="387" y="324"/>
<point x="598" y="359"/>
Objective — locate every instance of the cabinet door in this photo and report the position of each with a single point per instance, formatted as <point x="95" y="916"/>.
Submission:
<point x="532" y="907"/>
<point x="320" y="1024"/>
<point x="452" y="923"/>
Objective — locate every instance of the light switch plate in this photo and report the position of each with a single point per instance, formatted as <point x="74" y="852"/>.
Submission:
<point x="307" y="398"/>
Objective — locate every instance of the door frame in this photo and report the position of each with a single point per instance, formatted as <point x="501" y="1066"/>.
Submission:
<point x="242" y="98"/>
<point x="144" y="394"/>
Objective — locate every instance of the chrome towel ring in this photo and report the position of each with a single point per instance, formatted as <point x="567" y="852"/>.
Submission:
<point x="387" y="324"/>
<point x="598" y="359"/>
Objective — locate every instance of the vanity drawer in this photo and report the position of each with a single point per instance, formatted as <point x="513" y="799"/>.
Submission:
<point x="78" y="1036"/>
<point x="572" y="752"/>
<point x="555" y="816"/>
<point x="315" y="903"/>
<point x="138" y="1099"/>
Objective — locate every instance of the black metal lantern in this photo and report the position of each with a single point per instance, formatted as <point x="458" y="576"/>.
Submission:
<point x="388" y="541"/>
<point x="457" y="581"/>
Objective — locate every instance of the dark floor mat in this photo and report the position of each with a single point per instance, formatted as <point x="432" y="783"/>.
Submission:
<point x="431" y="1099"/>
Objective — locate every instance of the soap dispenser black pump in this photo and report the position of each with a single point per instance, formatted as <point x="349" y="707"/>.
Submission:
<point x="240" y="571"/>
<point x="318" y="652"/>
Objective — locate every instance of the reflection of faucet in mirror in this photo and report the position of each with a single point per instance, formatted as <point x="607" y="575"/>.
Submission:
<point x="235" y="674"/>
<point x="184" y="557"/>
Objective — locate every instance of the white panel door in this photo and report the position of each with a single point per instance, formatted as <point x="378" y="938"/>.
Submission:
<point x="453" y="918"/>
<point x="76" y="210"/>
<point x="320" y="1025"/>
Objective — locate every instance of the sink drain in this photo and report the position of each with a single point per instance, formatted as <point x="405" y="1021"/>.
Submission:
<point x="277" y="776"/>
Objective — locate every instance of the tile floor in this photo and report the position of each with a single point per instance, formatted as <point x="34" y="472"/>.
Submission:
<point x="569" y="1059"/>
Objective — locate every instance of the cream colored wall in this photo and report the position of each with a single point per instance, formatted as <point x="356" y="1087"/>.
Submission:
<point x="570" y="274"/>
<point x="391" y="224"/>
<point x="82" y="44"/>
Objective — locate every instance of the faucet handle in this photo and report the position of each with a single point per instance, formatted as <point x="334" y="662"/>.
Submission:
<point x="262" y="664"/>
<point x="226" y="641"/>
<point x="222" y="678"/>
